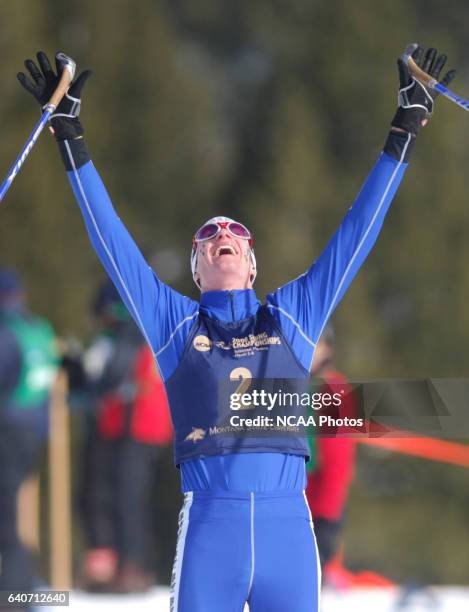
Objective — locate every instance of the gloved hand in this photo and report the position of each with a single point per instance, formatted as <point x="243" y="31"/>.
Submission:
<point x="65" y="122"/>
<point x="414" y="99"/>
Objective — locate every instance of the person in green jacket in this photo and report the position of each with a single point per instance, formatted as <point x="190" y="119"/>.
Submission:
<point x="28" y="364"/>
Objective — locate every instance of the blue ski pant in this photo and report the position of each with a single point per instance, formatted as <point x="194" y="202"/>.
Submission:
<point x="235" y="548"/>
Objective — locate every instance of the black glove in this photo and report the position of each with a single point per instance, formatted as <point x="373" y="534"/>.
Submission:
<point x="65" y="122"/>
<point x="415" y="100"/>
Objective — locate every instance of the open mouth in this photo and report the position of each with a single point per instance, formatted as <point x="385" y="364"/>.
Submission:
<point x="225" y="249"/>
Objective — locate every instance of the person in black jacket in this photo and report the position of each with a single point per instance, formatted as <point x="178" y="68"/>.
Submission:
<point x="126" y="431"/>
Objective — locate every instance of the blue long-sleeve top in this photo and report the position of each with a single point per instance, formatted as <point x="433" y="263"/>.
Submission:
<point x="297" y="312"/>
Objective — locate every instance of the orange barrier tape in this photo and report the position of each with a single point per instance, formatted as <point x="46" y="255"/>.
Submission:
<point x="427" y="448"/>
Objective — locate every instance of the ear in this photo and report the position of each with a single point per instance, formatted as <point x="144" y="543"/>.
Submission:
<point x="252" y="273"/>
<point x="252" y="266"/>
<point x="197" y="277"/>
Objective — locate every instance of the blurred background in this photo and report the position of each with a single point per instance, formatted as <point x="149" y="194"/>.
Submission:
<point x="271" y="112"/>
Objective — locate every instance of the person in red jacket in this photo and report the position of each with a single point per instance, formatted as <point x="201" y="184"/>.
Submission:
<point x="330" y="479"/>
<point x="131" y="424"/>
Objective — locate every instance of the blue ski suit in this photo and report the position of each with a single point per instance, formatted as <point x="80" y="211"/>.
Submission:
<point x="245" y="531"/>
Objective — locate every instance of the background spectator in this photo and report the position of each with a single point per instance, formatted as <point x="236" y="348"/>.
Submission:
<point x="28" y="364"/>
<point x="128" y="426"/>
<point x="333" y="457"/>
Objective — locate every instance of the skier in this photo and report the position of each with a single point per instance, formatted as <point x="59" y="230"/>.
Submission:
<point x="245" y="532"/>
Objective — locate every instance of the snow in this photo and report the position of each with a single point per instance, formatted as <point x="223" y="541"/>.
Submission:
<point x="411" y="599"/>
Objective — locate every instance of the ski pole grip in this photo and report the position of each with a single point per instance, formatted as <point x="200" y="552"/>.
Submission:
<point x="419" y="74"/>
<point x="68" y="73"/>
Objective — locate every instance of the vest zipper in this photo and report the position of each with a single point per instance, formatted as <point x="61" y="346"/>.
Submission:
<point x="232" y="306"/>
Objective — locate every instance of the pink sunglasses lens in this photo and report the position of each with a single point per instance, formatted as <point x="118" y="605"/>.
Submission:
<point x="239" y="230"/>
<point x="207" y="231"/>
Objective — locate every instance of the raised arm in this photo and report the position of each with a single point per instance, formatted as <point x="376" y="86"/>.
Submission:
<point x="304" y="305"/>
<point x="163" y="315"/>
<point x="158" y="310"/>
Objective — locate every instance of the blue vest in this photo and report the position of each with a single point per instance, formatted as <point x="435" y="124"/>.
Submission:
<point x="217" y="361"/>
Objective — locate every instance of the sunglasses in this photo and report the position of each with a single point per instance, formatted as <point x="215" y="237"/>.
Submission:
<point x="210" y="230"/>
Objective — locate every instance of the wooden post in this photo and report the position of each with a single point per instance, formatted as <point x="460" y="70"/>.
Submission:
<point x="59" y="487"/>
<point x="28" y="513"/>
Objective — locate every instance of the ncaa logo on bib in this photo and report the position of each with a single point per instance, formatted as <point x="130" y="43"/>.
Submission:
<point x="202" y="344"/>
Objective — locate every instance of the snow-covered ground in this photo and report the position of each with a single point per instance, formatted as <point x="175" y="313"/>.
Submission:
<point x="431" y="599"/>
